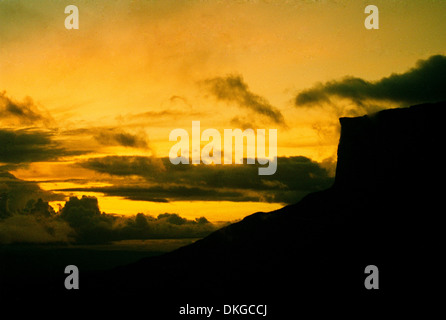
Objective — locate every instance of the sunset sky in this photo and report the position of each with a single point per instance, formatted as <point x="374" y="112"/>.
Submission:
<point x="89" y="111"/>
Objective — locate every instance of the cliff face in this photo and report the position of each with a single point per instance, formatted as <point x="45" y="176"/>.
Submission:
<point x="393" y="150"/>
<point x="385" y="209"/>
<point x="393" y="161"/>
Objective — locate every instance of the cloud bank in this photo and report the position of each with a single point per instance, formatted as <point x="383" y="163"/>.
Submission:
<point x="15" y="194"/>
<point x="422" y="83"/>
<point x="30" y="145"/>
<point x="20" y="228"/>
<point x="80" y="221"/>
<point x="158" y="180"/>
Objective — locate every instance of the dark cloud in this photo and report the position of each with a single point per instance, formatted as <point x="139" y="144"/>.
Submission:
<point x="30" y="145"/>
<point x="92" y="226"/>
<point x="423" y="83"/>
<point x="16" y="194"/>
<point x="29" y="134"/>
<point x="166" y="225"/>
<point x="26" y="216"/>
<point x="165" y="193"/>
<point x="21" y="113"/>
<point x="233" y="89"/>
<point x="111" y="136"/>
<point x="126" y="165"/>
<point x="81" y="221"/>
<point x="114" y="136"/>
<point x="162" y="181"/>
<point x="23" y="228"/>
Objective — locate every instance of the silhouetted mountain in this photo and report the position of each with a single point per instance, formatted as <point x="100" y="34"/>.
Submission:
<point x="385" y="209"/>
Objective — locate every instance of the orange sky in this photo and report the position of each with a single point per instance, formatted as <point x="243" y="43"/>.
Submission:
<point x="142" y="68"/>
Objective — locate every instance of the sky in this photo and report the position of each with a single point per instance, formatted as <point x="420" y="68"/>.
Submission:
<point x="89" y="111"/>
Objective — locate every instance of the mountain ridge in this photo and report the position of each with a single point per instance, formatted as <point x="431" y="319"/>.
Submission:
<point x="382" y="210"/>
<point x="378" y="211"/>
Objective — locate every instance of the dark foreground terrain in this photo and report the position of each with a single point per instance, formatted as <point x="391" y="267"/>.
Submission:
<point x="384" y="209"/>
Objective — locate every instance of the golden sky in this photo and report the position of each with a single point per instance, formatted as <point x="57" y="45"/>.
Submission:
<point x="106" y="96"/>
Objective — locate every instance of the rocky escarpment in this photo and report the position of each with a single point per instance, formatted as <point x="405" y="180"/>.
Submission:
<point x="392" y="150"/>
<point x="384" y="209"/>
<point x="393" y="160"/>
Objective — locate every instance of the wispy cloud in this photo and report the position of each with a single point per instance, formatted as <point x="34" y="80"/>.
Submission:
<point x="24" y="113"/>
<point x="233" y="89"/>
<point x="116" y="136"/>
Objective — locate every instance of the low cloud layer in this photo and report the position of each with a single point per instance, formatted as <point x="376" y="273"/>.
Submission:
<point x="81" y="221"/>
<point x="157" y="180"/>
<point x="422" y="83"/>
<point x="233" y="89"/>
<point x="20" y="228"/>
<point x="16" y="193"/>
